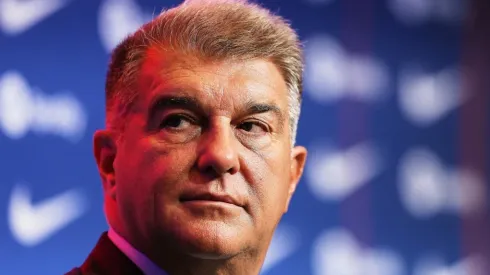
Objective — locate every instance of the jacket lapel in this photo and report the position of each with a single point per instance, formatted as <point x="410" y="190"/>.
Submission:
<point x="107" y="259"/>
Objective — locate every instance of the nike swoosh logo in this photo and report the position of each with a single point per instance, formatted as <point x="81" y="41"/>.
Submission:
<point x="330" y="173"/>
<point x="17" y="16"/>
<point x="31" y="224"/>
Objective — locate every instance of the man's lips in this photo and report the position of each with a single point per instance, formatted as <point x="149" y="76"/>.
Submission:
<point x="210" y="197"/>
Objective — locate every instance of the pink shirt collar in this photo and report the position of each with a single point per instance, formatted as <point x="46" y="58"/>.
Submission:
<point x="138" y="258"/>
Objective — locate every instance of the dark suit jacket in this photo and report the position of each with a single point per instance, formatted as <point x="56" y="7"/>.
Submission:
<point x="106" y="259"/>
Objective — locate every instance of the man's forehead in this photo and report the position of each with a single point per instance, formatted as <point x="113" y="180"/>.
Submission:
<point x="167" y="72"/>
<point x="160" y="63"/>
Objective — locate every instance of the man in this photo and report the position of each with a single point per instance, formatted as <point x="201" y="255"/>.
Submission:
<point x="198" y="161"/>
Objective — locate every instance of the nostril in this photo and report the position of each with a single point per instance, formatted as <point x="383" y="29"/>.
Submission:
<point x="210" y="172"/>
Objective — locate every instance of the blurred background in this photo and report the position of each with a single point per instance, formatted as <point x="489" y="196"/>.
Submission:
<point x="395" y="116"/>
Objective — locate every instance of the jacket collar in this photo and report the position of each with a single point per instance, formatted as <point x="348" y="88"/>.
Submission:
<point x="107" y="259"/>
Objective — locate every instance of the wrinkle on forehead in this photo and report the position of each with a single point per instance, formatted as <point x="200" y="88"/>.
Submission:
<point x="220" y="84"/>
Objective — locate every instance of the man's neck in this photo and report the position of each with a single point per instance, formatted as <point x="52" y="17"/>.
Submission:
<point x="175" y="263"/>
<point x="214" y="267"/>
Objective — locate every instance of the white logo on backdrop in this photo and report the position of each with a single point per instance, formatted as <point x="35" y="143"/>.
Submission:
<point x="31" y="224"/>
<point x="428" y="187"/>
<point x="332" y="73"/>
<point x="426" y="98"/>
<point x="337" y="252"/>
<point x="335" y="174"/>
<point x="17" y="16"/>
<point x="118" y="19"/>
<point x="23" y="108"/>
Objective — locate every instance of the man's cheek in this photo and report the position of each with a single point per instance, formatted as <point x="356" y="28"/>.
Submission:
<point x="168" y="168"/>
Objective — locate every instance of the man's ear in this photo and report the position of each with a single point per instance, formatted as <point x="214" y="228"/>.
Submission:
<point x="298" y="159"/>
<point x="105" y="149"/>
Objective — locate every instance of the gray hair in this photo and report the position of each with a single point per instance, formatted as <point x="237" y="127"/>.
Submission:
<point x="210" y="29"/>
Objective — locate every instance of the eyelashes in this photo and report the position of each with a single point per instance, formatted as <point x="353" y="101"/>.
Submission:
<point x="254" y="127"/>
<point x="176" y="122"/>
<point x="182" y="128"/>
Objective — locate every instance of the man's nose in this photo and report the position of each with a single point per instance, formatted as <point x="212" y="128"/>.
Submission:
<point x="218" y="153"/>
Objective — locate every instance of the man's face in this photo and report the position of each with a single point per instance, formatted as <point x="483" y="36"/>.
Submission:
<point x="206" y="164"/>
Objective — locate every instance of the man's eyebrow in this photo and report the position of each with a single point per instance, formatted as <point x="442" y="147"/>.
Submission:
<point x="171" y="101"/>
<point x="258" y="108"/>
<point x="190" y="103"/>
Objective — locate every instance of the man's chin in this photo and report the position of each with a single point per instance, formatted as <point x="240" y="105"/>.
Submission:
<point x="212" y="240"/>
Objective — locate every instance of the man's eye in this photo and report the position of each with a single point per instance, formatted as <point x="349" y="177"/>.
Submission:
<point x="176" y="122"/>
<point x="253" y="127"/>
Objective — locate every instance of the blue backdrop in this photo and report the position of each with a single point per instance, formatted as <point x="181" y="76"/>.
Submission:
<point x="395" y="116"/>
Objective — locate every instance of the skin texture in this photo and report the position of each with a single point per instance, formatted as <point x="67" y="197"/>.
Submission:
<point x="201" y="127"/>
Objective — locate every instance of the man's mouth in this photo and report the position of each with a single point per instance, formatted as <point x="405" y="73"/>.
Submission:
<point x="210" y="197"/>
